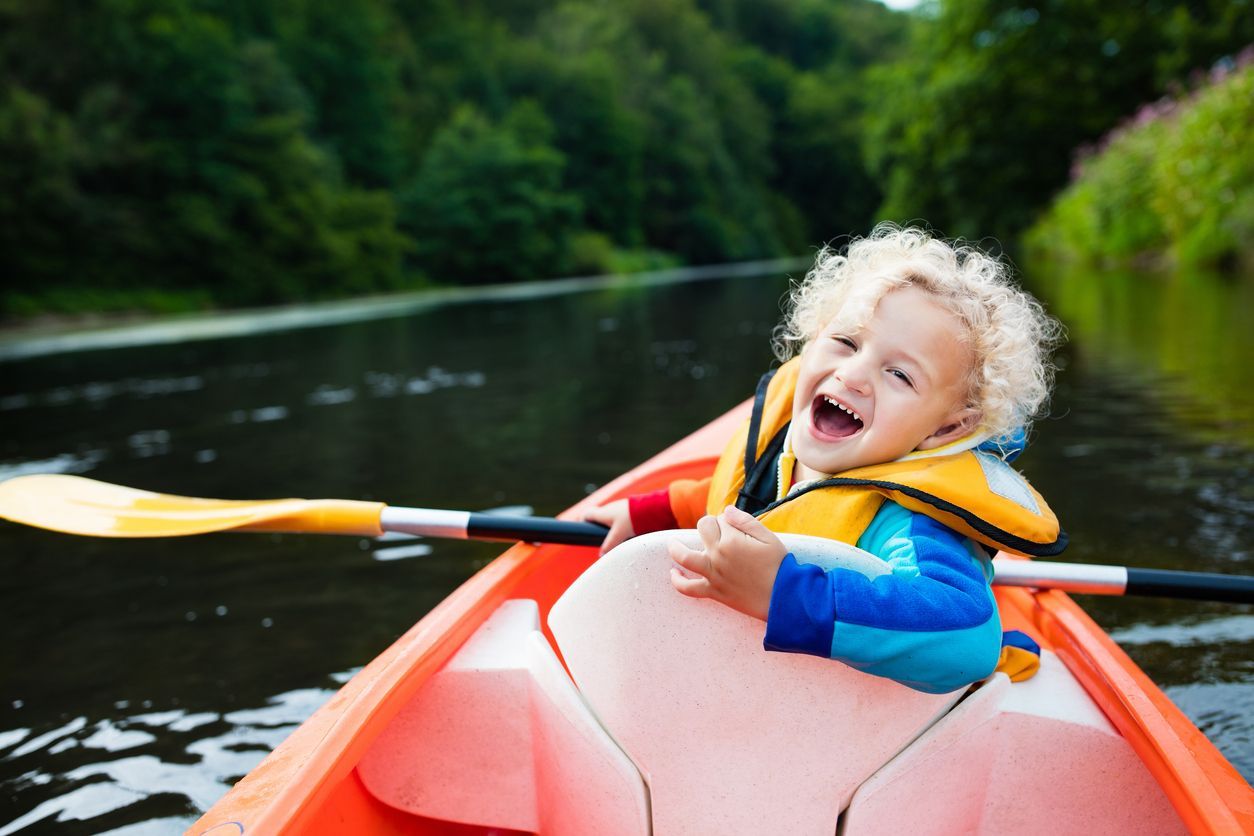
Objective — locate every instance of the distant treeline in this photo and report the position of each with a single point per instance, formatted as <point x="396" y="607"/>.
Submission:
<point x="238" y="152"/>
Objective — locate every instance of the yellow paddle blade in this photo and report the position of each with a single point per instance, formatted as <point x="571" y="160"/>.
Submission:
<point x="74" y="505"/>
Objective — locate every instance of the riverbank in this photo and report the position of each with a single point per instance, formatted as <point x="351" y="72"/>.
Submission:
<point x="1172" y="187"/>
<point x="56" y="334"/>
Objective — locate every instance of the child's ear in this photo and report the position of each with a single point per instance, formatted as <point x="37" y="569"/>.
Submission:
<point x="958" y="423"/>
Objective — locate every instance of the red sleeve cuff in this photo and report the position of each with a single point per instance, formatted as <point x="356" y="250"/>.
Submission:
<point x="651" y="512"/>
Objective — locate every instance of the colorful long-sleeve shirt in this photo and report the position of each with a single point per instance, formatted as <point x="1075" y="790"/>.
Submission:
<point x="930" y="623"/>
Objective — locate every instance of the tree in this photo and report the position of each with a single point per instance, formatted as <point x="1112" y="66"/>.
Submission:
<point x="341" y="53"/>
<point x="183" y="163"/>
<point x="975" y="127"/>
<point x="39" y="199"/>
<point x="487" y="203"/>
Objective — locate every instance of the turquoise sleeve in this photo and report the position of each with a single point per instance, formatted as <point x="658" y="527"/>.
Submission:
<point x="931" y="623"/>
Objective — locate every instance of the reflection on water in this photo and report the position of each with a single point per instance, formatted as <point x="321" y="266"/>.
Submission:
<point x="143" y="677"/>
<point x="1187" y="337"/>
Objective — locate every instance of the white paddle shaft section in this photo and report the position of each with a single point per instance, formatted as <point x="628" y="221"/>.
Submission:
<point x="1069" y="577"/>
<point x="428" y="522"/>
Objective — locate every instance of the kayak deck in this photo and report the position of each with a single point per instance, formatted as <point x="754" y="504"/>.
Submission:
<point x="313" y="782"/>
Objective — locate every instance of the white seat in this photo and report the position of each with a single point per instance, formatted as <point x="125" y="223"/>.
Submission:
<point x="1034" y="757"/>
<point x="731" y="739"/>
<point x="501" y="738"/>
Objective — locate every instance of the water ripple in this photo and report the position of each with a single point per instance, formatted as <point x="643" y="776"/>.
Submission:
<point x="75" y="773"/>
<point x="101" y="391"/>
<point x="1236" y="628"/>
<point x="387" y="385"/>
<point x="64" y="463"/>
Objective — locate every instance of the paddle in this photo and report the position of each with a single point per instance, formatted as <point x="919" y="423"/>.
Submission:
<point x="74" y="505"/>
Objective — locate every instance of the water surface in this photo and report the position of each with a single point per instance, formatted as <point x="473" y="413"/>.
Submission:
<point x="143" y="677"/>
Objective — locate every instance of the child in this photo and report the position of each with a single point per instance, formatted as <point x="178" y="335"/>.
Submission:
<point x="920" y="367"/>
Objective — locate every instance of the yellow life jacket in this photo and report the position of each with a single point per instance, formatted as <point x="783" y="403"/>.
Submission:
<point x="972" y="492"/>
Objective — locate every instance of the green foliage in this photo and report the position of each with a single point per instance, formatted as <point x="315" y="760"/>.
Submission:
<point x="1177" y="184"/>
<point x="78" y="300"/>
<point x="590" y="254"/>
<point x="487" y="204"/>
<point x="1204" y="178"/>
<point x="820" y="154"/>
<point x="1109" y="207"/>
<point x="975" y="126"/>
<point x="340" y="51"/>
<point x="569" y="69"/>
<point x="272" y="150"/>
<point x="677" y="134"/>
<point x="593" y="254"/>
<point x="812" y="34"/>
<point x="39" y="198"/>
<point x="182" y="163"/>
<point x="267" y="150"/>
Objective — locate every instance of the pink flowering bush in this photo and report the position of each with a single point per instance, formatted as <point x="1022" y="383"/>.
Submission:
<point x="1175" y="182"/>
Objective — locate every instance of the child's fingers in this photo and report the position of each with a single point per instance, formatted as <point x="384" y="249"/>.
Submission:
<point x="709" y="530"/>
<point x="693" y="560"/>
<point x="692" y="587"/>
<point x="616" y="516"/>
<point x="750" y="527"/>
<point x="745" y="523"/>
<point x="604" y="514"/>
<point x="738" y="518"/>
<point x="617" y="534"/>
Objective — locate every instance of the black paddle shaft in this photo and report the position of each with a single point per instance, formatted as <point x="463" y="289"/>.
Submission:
<point x="534" y="530"/>
<point x="1200" y="586"/>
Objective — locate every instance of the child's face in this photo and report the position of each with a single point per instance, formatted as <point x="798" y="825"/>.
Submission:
<point x="903" y="375"/>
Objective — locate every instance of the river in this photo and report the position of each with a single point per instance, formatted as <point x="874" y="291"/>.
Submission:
<point x="142" y="678"/>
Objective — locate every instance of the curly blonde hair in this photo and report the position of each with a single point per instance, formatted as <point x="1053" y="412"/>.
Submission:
<point x="1011" y="336"/>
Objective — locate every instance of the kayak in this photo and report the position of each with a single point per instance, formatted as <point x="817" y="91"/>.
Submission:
<point x="557" y="693"/>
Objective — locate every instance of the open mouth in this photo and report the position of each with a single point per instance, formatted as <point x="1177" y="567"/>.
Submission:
<point x="832" y="419"/>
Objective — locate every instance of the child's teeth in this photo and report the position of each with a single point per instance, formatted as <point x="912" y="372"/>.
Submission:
<point x="843" y="407"/>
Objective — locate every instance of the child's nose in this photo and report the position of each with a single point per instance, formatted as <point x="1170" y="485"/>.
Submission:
<point x="853" y="375"/>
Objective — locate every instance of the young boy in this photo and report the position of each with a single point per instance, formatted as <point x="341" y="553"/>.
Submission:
<point x="920" y="367"/>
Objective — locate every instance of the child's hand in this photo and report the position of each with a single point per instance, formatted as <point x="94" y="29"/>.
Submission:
<point x="737" y="567"/>
<point x="617" y="516"/>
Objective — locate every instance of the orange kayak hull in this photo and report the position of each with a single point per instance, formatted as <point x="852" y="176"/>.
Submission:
<point x="309" y="784"/>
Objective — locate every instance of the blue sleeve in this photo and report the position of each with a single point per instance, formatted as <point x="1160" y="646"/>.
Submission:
<point x="931" y="623"/>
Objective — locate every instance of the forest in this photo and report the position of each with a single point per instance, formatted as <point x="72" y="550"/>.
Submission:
<point x="181" y="154"/>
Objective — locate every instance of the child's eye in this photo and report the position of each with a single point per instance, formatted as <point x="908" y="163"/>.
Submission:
<point x="902" y="376"/>
<point x="846" y="342"/>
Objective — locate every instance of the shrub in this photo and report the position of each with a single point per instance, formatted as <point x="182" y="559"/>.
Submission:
<point x="1175" y="182"/>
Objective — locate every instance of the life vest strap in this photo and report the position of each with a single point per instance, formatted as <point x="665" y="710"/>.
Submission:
<point x="753" y="496"/>
<point x="760" y="488"/>
<point x="997" y="535"/>
<point x="755" y="420"/>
